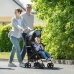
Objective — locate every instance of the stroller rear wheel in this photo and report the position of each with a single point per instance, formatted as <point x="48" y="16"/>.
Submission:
<point x="39" y="65"/>
<point x="50" y="65"/>
<point x="27" y="65"/>
<point x="42" y="66"/>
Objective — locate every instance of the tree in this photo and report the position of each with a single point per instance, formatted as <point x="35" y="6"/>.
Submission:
<point x="58" y="34"/>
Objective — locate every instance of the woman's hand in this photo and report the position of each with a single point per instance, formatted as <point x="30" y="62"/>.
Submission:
<point x="24" y="29"/>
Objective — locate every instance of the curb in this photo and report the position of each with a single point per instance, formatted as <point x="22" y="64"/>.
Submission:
<point x="67" y="62"/>
<point x="6" y="59"/>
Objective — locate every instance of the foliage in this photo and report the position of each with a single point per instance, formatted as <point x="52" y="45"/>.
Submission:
<point x="5" y="44"/>
<point x="38" y="27"/>
<point x="1" y="27"/>
<point x="58" y="34"/>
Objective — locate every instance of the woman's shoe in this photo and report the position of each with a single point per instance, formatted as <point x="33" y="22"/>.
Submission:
<point x="11" y="65"/>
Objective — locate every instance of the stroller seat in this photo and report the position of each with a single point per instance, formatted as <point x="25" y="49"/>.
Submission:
<point x="32" y="53"/>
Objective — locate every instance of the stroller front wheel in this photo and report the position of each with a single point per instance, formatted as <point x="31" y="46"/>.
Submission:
<point x="39" y="65"/>
<point x="27" y="65"/>
<point x="50" y="65"/>
<point x="42" y="66"/>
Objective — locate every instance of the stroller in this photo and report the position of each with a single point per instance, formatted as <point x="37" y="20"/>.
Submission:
<point x="33" y="55"/>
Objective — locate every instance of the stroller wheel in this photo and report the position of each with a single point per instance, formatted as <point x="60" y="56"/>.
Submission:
<point x="37" y="65"/>
<point x="50" y="65"/>
<point x="42" y="66"/>
<point x="27" y="65"/>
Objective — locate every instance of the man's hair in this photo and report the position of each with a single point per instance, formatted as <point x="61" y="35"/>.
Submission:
<point x="28" y="5"/>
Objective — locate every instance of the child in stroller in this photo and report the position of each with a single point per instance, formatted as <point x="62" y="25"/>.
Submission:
<point x="39" y="48"/>
<point x="35" y="54"/>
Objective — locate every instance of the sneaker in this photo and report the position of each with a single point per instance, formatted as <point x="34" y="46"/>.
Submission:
<point x="32" y="64"/>
<point x="11" y="65"/>
<point x="22" y="65"/>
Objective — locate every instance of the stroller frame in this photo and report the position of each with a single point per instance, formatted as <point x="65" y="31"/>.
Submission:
<point x="33" y="55"/>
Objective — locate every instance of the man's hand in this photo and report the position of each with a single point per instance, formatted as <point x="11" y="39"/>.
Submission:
<point x="24" y="30"/>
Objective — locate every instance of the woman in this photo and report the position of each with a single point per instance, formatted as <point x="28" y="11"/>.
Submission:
<point x="18" y="26"/>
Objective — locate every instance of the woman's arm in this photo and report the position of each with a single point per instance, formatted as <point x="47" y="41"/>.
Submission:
<point x="15" y="24"/>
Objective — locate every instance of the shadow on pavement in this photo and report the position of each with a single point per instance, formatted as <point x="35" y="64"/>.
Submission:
<point x="55" y="68"/>
<point x="6" y="69"/>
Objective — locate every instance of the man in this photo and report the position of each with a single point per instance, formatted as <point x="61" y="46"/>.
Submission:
<point x="29" y="20"/>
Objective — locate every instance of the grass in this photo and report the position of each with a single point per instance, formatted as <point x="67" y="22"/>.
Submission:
<point x="6" y="55"/>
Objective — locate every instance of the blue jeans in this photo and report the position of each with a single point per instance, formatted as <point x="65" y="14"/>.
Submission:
<point x="45" y="54"/>
<point x="15" y="48"/>
<point x="24" y="49"/>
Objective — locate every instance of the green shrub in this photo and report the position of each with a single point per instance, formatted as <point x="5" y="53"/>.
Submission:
<point x="5" y="44"/>
<point x="38" y="27"/>
<point x="1" y="27"/>
<point x="58" y="35"/>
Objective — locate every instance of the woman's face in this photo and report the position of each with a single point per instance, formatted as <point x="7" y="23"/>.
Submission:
<point x="17" y="13"/>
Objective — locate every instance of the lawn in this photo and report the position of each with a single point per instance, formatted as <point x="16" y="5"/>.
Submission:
<point x="7" y="55"/>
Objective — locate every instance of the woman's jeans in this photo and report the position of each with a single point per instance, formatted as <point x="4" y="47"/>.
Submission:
<point x="24" y="49"/>
<point x="15" y="48"/>
<point x="45" y="54"/>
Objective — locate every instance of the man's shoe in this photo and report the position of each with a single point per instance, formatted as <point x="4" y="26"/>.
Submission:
<point x="22" y="65"/>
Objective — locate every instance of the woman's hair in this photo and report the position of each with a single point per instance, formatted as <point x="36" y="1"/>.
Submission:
<point x="19" y="10"/>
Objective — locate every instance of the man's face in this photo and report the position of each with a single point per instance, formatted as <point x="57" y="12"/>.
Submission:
<point x="28" y="8"/>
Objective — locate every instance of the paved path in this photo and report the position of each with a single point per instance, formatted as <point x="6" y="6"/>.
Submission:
<point x="58" y="69"/>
